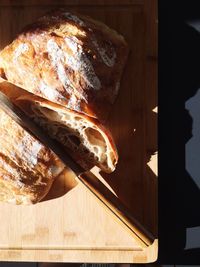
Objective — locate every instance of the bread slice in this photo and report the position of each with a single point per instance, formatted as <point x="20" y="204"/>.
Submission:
<point x="69" y="59"/>
<point x="27" y="167"/>
<point x="88" y="141"/>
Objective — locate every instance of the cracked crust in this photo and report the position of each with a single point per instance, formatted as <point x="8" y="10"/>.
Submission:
<point x="27" y="168"/>
<point x="69" y="59"/>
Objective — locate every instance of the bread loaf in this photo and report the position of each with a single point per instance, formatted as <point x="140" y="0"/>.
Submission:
<point x="27" y="168"/>
<point x="69" y="59"/>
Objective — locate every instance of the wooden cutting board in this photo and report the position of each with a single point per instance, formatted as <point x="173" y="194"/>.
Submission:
<point x="71" y="225"/>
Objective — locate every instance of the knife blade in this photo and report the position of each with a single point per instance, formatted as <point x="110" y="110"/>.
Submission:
<point x="25" y="122"/>
<point x="87" y="178"/>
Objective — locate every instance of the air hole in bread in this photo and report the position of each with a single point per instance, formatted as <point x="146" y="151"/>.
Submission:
<point x="94" y="137"/>
<point x="96" y="150"/>
<point x="77" y="118"/>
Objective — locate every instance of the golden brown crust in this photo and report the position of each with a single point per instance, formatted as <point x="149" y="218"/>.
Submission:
<point x="69" y="59"/>
<point x="27" y="168"/>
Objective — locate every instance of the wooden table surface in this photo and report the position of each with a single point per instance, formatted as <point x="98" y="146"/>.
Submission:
<point x="71" y="225"/>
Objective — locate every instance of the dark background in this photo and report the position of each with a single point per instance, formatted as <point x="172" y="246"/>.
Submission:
<point x="179" y="80"/>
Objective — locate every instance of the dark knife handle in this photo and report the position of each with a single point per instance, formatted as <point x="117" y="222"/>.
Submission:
<point x="144" y="237"/>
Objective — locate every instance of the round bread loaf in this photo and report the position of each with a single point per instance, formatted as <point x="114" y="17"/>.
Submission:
<point x="69" y="59"/>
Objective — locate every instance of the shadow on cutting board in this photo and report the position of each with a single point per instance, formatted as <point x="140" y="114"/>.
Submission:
<point x="179" y="80"/>
<point x="133" y="124"/>
<point x="62" y="185"/>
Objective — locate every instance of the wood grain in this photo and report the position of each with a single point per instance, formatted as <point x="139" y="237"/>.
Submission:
<point x="74" y="227"/>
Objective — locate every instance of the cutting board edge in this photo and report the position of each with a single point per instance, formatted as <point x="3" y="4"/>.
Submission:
<point x="148" y="255"/>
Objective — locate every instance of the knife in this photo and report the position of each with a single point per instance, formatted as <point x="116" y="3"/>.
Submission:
<point x="87" y="178"/>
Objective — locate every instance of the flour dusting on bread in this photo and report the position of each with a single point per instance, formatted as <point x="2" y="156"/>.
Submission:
<point x="108" y="60"/>
<point x="80" y="63"/>
<point x="49" y="91"/>
<point x="29" y="149"/>
<point x="71" y="53"/>
<point x="22" y="48"/>
<point x="27" y="168"/>
<point x="57" y="57"/>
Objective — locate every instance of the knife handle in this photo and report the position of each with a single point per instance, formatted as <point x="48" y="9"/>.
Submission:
<point x="117" y="208"/>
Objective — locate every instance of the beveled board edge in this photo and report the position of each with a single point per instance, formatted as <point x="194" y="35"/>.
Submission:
<point x="148" y="255"/>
